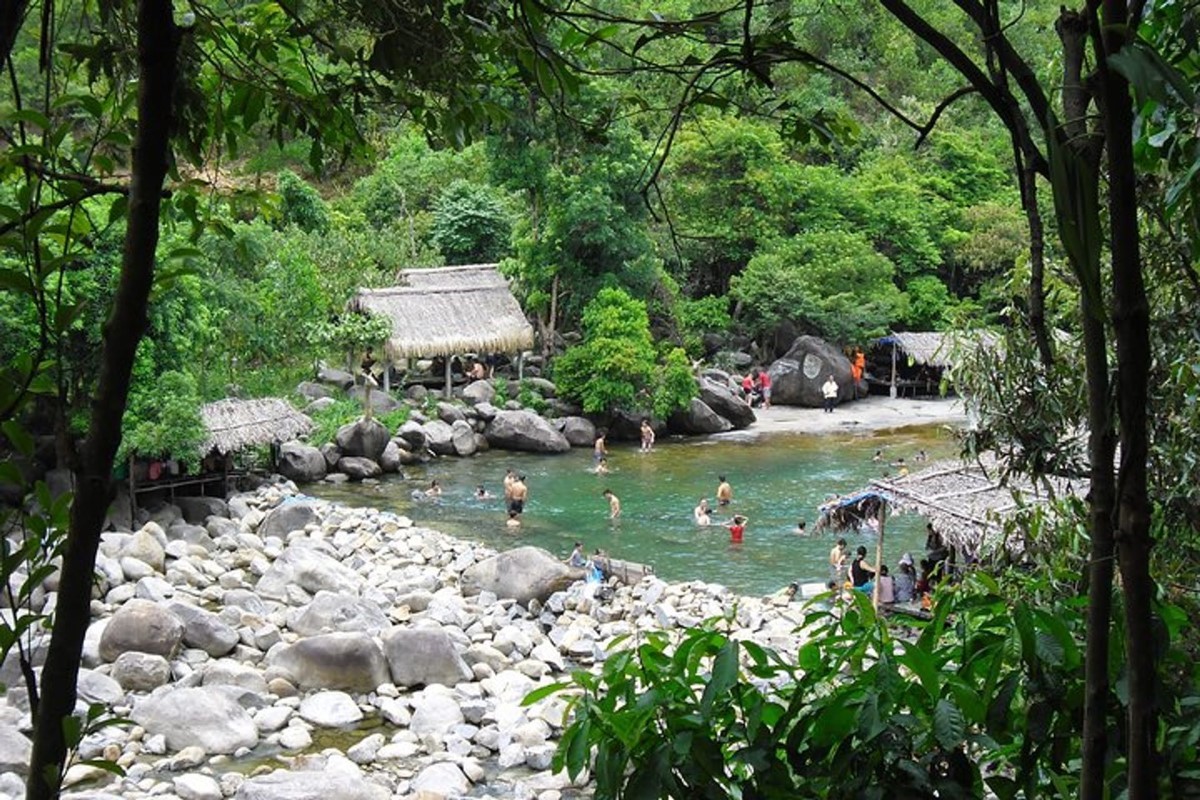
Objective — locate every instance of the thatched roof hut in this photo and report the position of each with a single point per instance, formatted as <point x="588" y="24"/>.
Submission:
<point x="939" y="350"/>
<point x="449" y="310"/>
<point x="968" y="503"/>
<point x="237" y="424"/>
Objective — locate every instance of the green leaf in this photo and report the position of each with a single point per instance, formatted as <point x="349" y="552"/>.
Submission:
<point x="18" y="437"/>
<point x="543" y="692"/>
<point x="725" y="673"/>
<point x="923" y="666"/>
<point x="948" y="725"/>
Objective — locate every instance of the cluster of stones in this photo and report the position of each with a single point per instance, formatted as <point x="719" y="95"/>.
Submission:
<point x="284" y="648"/>
<point x="365" y="449"/>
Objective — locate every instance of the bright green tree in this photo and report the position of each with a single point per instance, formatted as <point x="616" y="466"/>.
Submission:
<point x="470" y="224"/>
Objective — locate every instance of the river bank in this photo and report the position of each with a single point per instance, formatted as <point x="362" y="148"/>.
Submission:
<point x="870" y="414"/>
<point x="289" y="648"/>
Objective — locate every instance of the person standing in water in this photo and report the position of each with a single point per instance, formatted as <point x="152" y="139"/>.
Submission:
<point x="701" y="512"/>
<point x="614" y="504"/>
<point x="519" y="494"/>
<point x="599" y="449"/>
<point x="737" y="528"/>
<point x="724" y="491"/>
<point x="647" y="435"/>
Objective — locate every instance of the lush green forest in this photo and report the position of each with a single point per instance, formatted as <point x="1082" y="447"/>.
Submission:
<point x="190" y="194"/>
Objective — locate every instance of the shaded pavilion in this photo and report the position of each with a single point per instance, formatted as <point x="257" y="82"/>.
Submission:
<point x="447" y="311"/>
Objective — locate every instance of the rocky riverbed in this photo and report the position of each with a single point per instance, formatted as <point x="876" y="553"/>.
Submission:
<point x="278" y="647"/>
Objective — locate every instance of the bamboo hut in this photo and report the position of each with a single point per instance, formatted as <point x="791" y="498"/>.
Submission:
<point x="446" y="311"/>
<point x="233" y="425"/>
<point x="926" y="357"/>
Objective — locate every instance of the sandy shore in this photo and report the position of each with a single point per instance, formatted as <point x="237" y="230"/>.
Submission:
<point x="873" y="413"/>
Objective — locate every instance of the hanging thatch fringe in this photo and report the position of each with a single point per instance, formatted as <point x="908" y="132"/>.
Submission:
<point x="237" y="424"/>
<point x="939" y="349"/>
<point x="965" y="502"/>
<point x="447" y="311"/>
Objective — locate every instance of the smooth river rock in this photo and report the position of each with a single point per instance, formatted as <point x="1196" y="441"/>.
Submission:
<point x="421" y="656"/>
<point x="350" y="661"/>
<point x="141" y="626"/>
<point x="524" y="430"/>
<point x="303" y="565"/>
<point x="203" y="717"/>
<point x="523" y="574"/>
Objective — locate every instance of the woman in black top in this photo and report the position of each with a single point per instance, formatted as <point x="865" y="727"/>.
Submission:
<point x="860" y="572"/>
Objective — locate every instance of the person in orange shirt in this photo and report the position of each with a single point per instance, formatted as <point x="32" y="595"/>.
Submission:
<point x="858" y="366"/>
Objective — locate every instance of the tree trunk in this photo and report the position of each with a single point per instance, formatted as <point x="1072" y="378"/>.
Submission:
<point x="1131" y="322"/>
<point x="1100" y="572"/>
<point x="1037" y="266"/>
<point x="158" y="45"/>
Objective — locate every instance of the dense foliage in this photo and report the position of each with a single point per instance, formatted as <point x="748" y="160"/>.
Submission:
<point x="616" y="366"/>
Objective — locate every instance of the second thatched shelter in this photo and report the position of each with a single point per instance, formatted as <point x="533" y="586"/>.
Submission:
<point x="916" y="361"/>
<point x="446" y="311"/>
<point x="234" y="425"/>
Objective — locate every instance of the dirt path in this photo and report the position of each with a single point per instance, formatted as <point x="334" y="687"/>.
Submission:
<point x="870" y="414"/>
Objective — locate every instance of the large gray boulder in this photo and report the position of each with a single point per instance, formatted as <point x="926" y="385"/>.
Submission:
<point x="722" y="400"/>
<point x="201" y="717"/>
<point x="698" y="418"/>
<point x="335" y="377"/>
<point x="478" y="392"/>
<point x="796" y="378"/>
<point x="350" y="661"/>
<point x="288" y="517"/>
<point x="303" y="565"/>
<point x="141" y="626"/>
<point x="439" y="437"/>
<point x="462" y="438"/>
<point x="579" y="431"/>
<point x="204" y="630"/>
<point x="449" y="413"/>
<point x="313" y="784"/>
<point x="359" y="468"/>
<point x="524" y="430"/>
<point x="310" y="390"/>
<point x="197" y="510"/>
<point x="522" y="574"/>
<point x="391" y="458"/>
<point x="301" y="462"/>
<point x="381" y="402"/>
<point x="15" y="750"/>
<point x="366" y="438"/>
<point x="331" y="612"/>
<point x="542" y="386"/>
<point x="413" y="432"/>
<point x="421" y="656"/>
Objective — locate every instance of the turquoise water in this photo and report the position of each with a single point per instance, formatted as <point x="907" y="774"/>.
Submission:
<point x="777" y="480"/>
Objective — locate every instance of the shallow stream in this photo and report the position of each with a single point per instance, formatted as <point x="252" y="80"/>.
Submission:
<point x="777" y="481"/>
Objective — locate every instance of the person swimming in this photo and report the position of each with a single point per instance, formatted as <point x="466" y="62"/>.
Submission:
<point x="482" y="494"/>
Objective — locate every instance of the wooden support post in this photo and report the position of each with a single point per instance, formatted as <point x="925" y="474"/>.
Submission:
<point x="387" y="375"/>
<point x="879" y="552"/>
<point x="449" y="380"/>
<point x="521" y="365"/>
<point x="132" y="494"/>
<point x="892" y="391"/>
